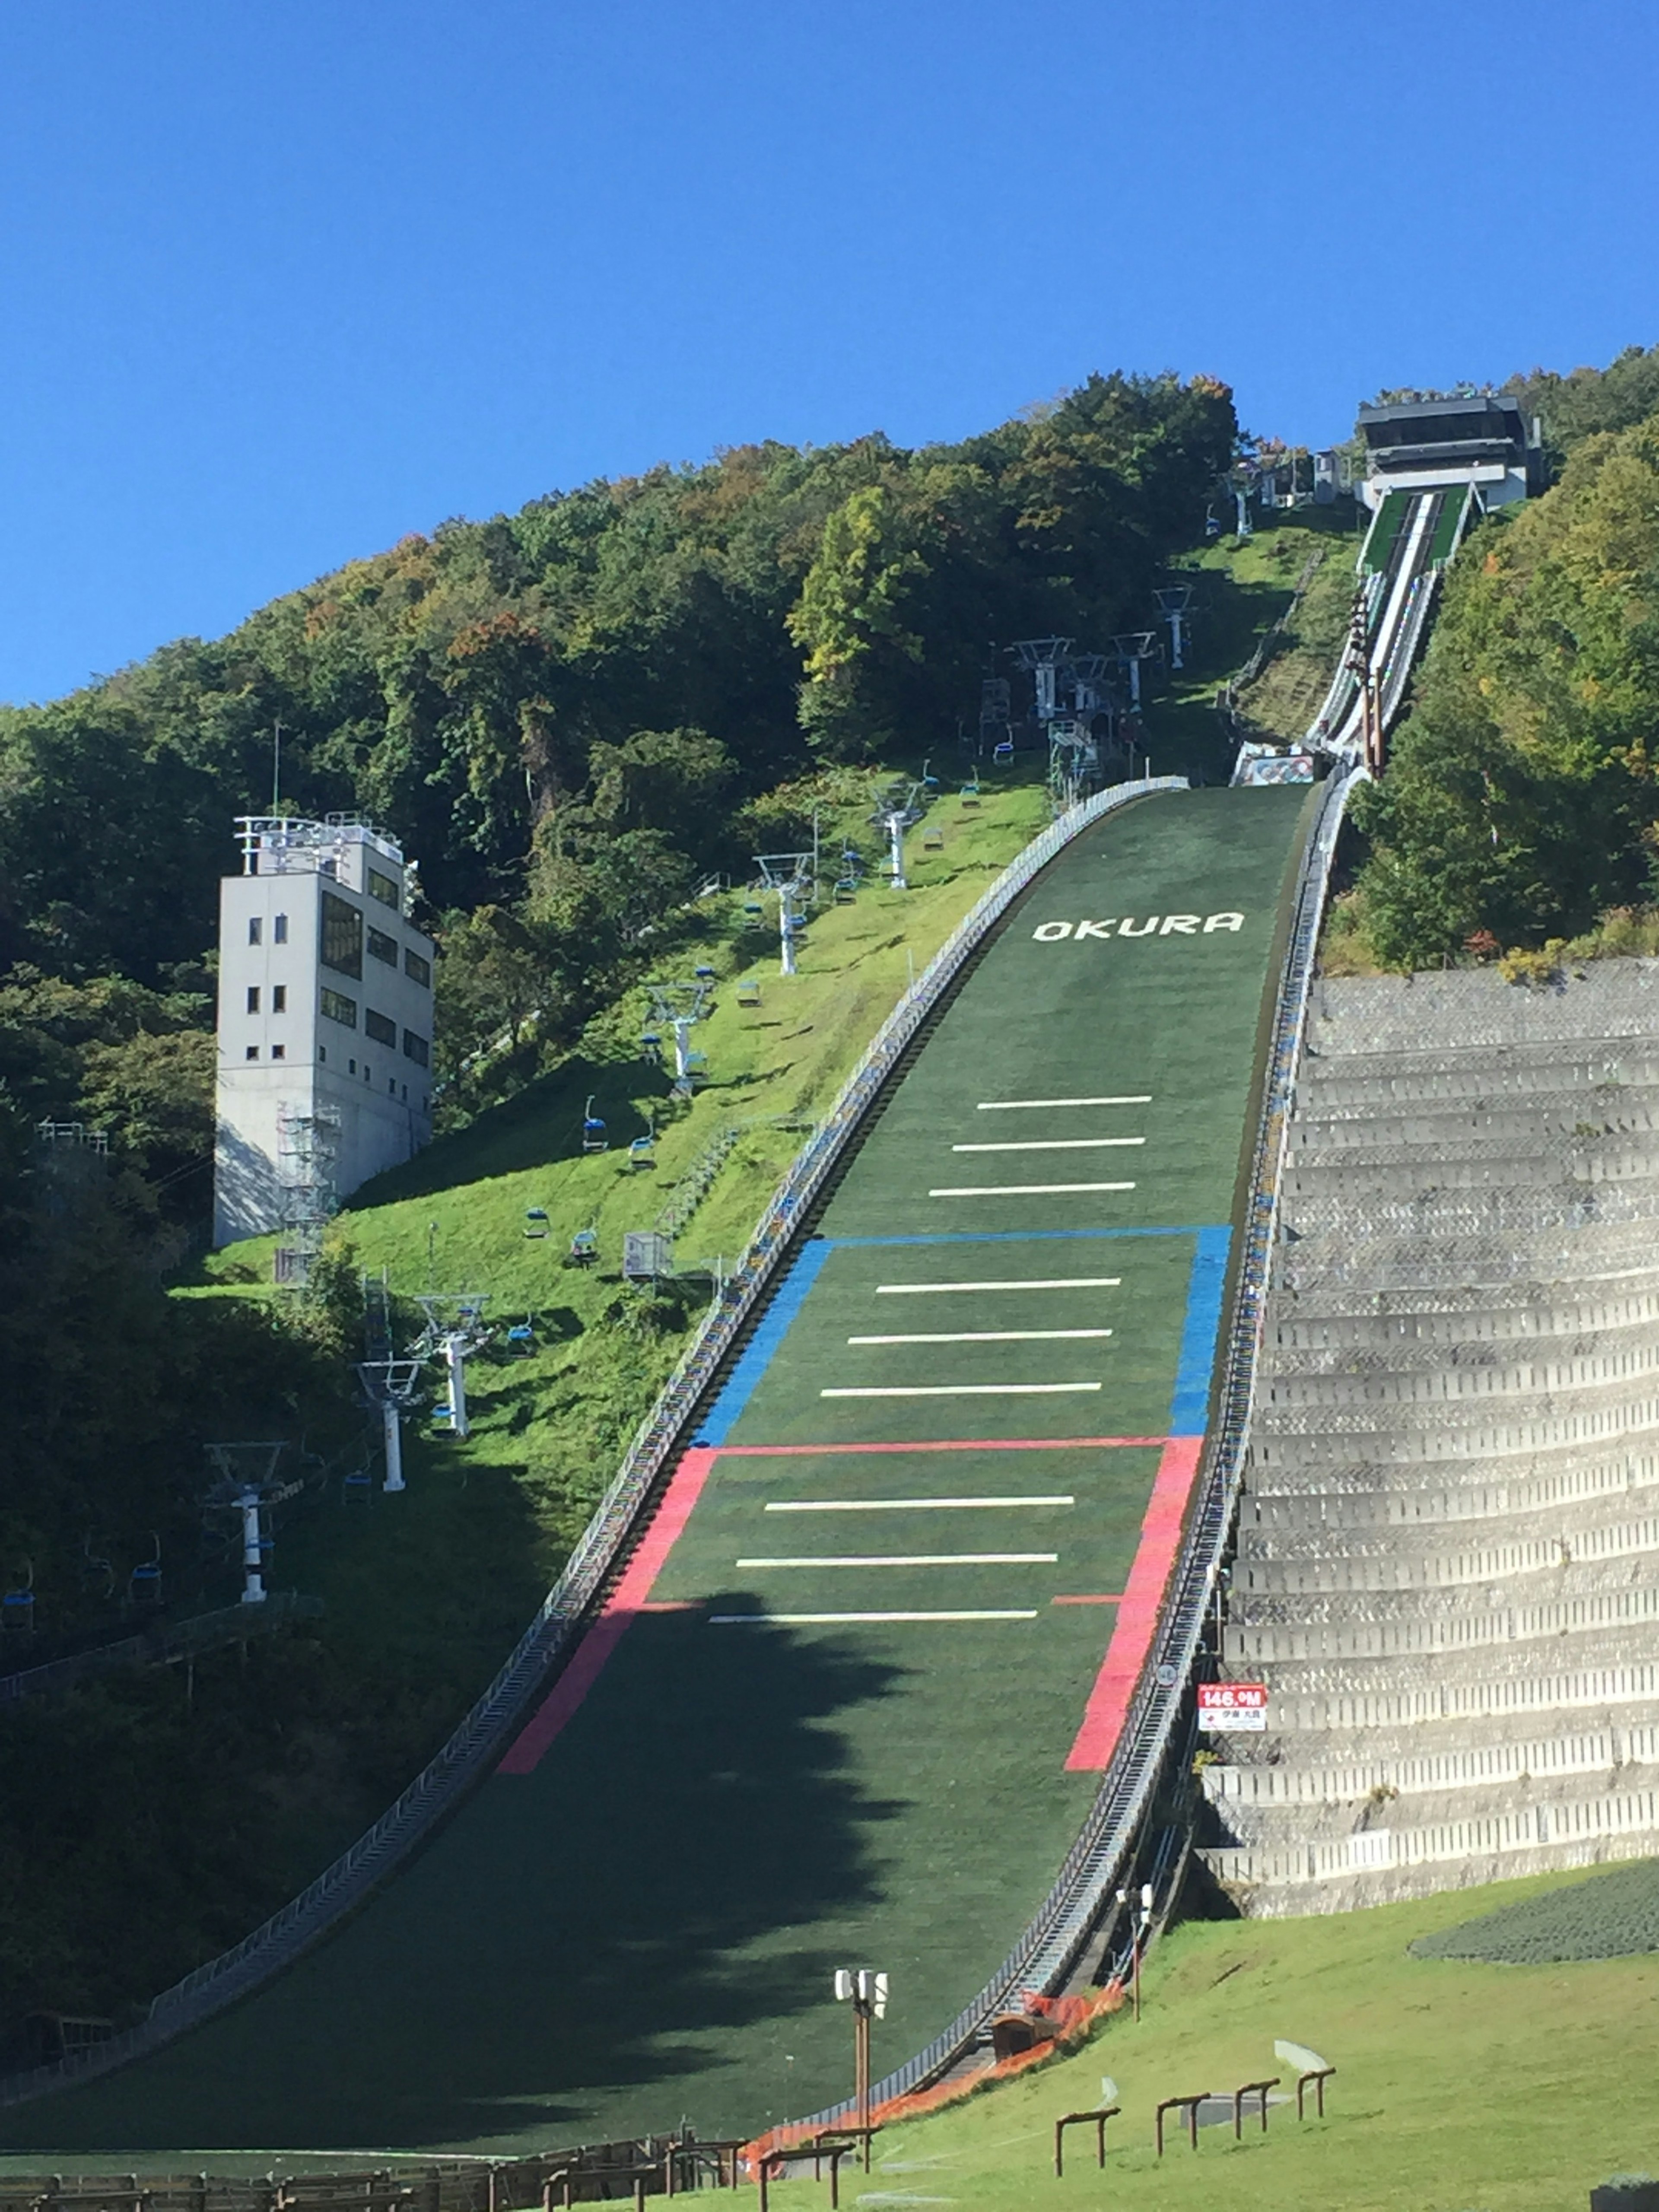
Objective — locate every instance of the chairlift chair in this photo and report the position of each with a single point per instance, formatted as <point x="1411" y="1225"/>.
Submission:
<point x="534" y="1221"/>
<point x="643" y="1150"/>
<point x="928" y="782"/>
<point x="703" y="972"/>
<point x="933" y="842"/>
<point x="521" y="1339"/>
<point x="584" y="1247"/>
<point x="749" y="993"/>
<point x="651" y="1044"/>
<point x="970" y="793"/>
<point x="17" y="1606"/>
<point x="357" y="1485"/>
<point x="1003" y="752"/>
<point x="594" y="1138"/>
<point x="754" y="915"/>
<point x="144" y="1583"/>
<point x="847" y="890"/>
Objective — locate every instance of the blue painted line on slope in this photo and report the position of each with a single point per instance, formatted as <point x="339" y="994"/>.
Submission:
<point x="786" y="1302"/>
<point x="1189" y="1406"/>
<point x="1008" y="1237"/>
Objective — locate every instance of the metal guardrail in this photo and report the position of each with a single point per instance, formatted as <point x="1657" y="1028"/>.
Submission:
<point x="1051" y="1940"/>
<point x="162" y="1643"/>
<point x="279" y="1939"/>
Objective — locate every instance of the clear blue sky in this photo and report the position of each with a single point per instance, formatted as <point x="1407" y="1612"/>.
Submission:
<point x="283" y="280"/>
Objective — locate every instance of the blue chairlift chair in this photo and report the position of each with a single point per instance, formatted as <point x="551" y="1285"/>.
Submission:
<point x="703" y="972"/>
<point x="1003" y="752"/>
<point x="584" y="1247"/>
<point x="970" y="793"/>
<point x="643" y="1150"/>
<point x="534" y="1221"/>
<point x="928" y="782"/>
<point x="521" y="1339"/>
<point x="594" y="1138"/>
<point x="17" y="1607"/>
<point x="144" y="1583"/>
<point x="754" y="915"/>
<point x="357" y="1487"/>
<point x="651" y="1044"/>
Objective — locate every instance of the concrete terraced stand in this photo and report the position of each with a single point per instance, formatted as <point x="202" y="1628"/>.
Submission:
<point x="1448" y="1566"/>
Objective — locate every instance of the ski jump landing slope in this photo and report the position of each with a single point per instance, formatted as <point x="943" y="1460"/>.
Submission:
<point x="851" y="1700"/>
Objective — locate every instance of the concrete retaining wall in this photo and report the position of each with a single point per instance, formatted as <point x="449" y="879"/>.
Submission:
<point x="1448" y="1566"/>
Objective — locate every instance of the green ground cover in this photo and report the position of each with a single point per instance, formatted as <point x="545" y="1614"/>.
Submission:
<point x="644" y="1926"/>
<point x="1239" y="590"/>
<point x="1460" y="2085"/>
<point x="1612" y="1916"/>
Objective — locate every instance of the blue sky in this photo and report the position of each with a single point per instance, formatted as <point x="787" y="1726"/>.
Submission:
<point x="280" y="283"/>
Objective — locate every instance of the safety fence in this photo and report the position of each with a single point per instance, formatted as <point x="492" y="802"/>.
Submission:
<point x="163" y="1643"/>
<point x="599" y="1550"/>
<point x="635" y="2167"/>
<point x="1048" y="1949"/>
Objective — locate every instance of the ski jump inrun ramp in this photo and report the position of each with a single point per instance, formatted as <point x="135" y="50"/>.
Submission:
<point x="850" y="1698"/>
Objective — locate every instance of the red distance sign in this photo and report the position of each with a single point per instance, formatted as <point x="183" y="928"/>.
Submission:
<point x="1226" y="1708"/>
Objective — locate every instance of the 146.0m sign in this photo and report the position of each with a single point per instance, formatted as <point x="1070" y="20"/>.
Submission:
<point x="1230" y="1708"/>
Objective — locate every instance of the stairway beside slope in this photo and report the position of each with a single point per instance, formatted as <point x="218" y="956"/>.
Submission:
<point x="1448" y="1566"/>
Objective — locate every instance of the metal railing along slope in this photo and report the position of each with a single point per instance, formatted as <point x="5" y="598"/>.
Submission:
<point x="1050" y="1943"/>
<point x="477" y="1740"/>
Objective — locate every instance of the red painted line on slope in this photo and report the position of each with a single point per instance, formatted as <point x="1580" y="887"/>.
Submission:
<point x="1137" y="1617"/>
<point x="955" y="1444"/>
<point x="588" y="1661"/>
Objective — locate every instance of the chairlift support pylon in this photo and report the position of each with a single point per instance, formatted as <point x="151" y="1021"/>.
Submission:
<point x="790" y="875"/>
<point x="677" y="1007"/>
<point x="455" y="1327"/>
<point x="248" y="1487"/>
<point x="1173" y="602"/>
<point x="1133" y="647"/>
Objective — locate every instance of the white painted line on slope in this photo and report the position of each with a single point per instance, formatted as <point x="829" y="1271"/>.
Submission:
<point x="916" y="1560"/>
<point x="814" y="1620"/>
<point x="1021" y="1189"/>
<point x="985" y="1336"/>
<point x="963" y="1390"/>
<point x="1053" y="1145"/>
<point x="1024" y="1105"/>
<point x="1029" y="1282"/>
<point x="904" y="1504"/>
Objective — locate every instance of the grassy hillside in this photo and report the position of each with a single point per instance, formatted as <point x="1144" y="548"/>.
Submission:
<point x="1460" y="2084"/>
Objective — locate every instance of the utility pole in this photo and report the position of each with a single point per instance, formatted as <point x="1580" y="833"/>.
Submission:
<point x="866" y="1992"/>
<point x="1138" y="1935"/>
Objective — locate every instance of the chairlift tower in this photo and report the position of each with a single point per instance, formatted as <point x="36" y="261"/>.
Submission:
<point x="1173" y="601"/>
<point x="895" y="815"/>
<point x="790" y="875"/>
<point x="389" y="1383"/>
<point x="307" y="1154"/>
<point x="1131" y="649"/>
<point x="455" y="1327"/>
<point x="679" y="1007"/>
<point x="996" y="711"/>
<point x="247" y="1486"/>
<point x="1048" y="658"/>
<point x="1073" y="758"/>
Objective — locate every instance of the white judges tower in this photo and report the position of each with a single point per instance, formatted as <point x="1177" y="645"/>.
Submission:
<point x="325" y="1024"/>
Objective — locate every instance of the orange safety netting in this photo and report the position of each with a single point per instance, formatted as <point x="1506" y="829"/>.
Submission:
<point x="1070" y="2018"/>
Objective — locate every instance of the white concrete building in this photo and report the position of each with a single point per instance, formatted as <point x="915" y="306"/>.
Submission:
<point x="325" y="1016"/>
<point x="1442" y="444"/>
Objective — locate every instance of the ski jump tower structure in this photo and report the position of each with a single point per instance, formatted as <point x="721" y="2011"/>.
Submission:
<point x="325" y="1026"/>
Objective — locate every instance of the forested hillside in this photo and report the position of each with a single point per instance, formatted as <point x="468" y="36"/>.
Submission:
<point x="1522" y="800"/>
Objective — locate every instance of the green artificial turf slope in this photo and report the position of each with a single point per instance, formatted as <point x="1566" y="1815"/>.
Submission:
<point x="645" y="1927"/>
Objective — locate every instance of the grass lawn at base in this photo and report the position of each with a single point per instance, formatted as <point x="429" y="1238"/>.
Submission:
<point x="1458" y="2085"/>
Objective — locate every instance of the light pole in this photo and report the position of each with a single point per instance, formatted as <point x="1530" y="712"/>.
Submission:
<point x="866" y="1992"/>
<point x="1138" y="1935"/>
